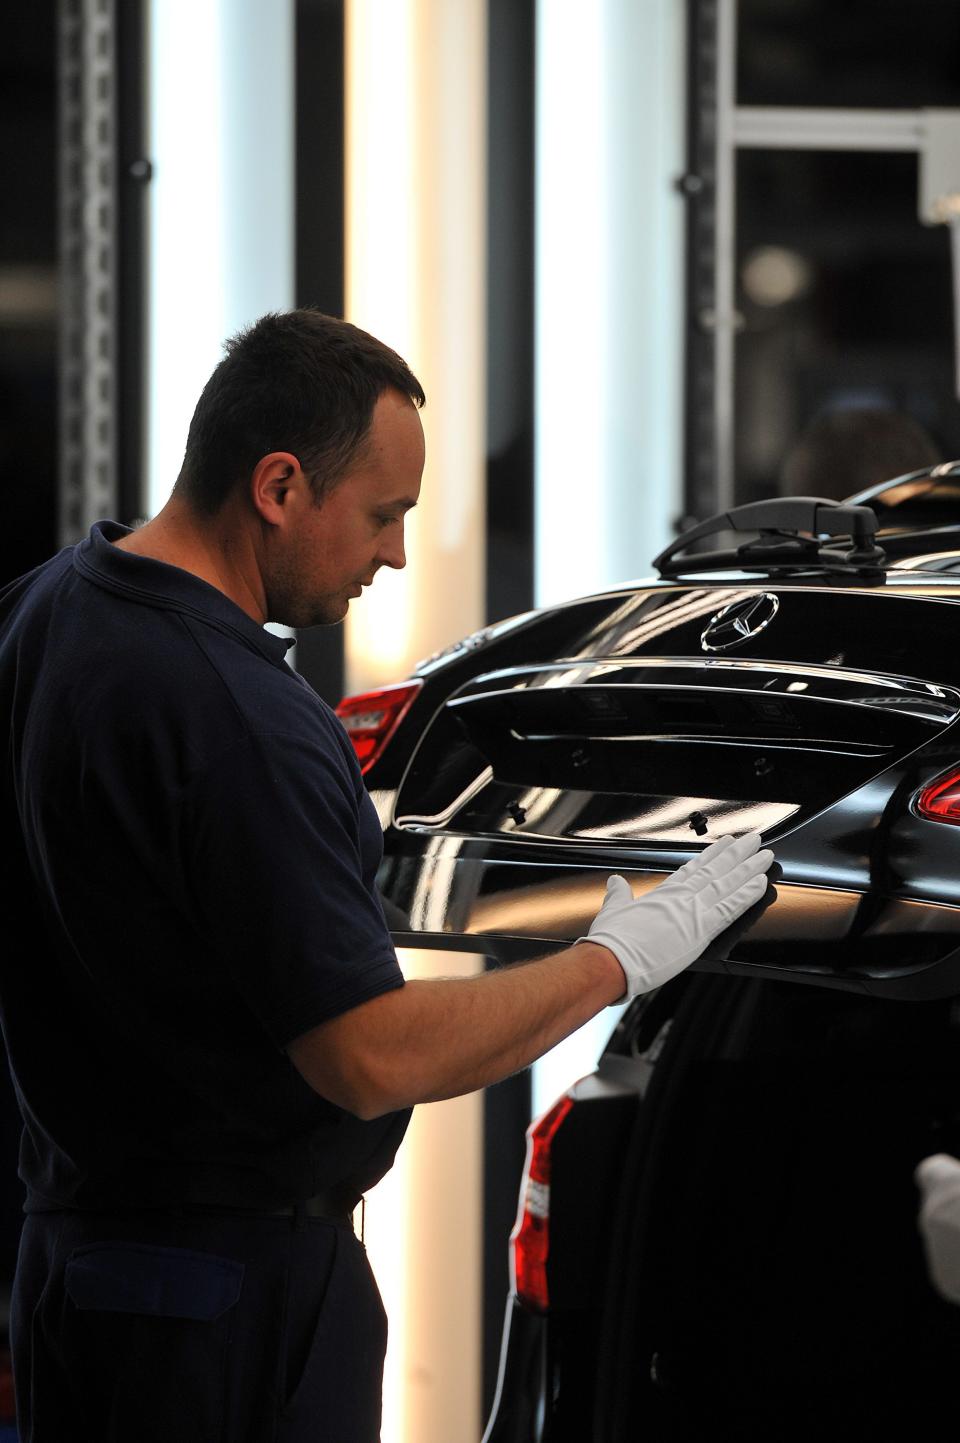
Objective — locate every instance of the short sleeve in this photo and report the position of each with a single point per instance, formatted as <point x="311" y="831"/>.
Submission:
<point x="272" y="837"/>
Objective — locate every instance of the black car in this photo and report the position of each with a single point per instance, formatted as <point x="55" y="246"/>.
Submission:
<point x="717" y="1230"/>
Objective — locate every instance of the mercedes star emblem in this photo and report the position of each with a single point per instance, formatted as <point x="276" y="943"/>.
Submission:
<point x="739" y="621"/>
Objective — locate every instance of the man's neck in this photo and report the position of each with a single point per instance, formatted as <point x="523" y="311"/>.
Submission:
<point x="215" y="549"/>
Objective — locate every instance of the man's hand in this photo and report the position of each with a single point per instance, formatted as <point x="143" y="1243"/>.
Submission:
<point x="654" y="937"/>
<point x="938" y="1178"/>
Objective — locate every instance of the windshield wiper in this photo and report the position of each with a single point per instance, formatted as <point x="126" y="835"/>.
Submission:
<point x="794" y="533"/>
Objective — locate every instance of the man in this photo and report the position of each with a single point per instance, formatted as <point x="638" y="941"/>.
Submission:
<point x="844" y="451"/>
<point x="213" y="1046"/>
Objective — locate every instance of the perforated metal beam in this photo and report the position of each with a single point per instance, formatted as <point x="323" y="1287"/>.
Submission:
<point x="88" y="264"/>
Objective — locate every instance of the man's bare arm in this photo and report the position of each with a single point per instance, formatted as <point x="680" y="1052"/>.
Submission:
<point x="439" y="1038"/>
<point x="434" y="1039"/>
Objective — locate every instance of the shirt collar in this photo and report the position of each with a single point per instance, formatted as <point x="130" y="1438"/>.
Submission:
<point x="156" y="583"/>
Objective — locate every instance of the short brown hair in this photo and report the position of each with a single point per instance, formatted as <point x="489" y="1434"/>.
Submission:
<point x="297" y="381"/>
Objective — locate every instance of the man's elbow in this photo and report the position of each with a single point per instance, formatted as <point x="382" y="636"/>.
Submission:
<point x="365" y="1100"/>
<point x="368" y="1109"/>
<point x="358" y="1086"/>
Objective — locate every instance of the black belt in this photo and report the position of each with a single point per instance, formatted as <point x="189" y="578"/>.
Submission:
<point x="336" y="1205"/>
<point x="334" y="1209"/>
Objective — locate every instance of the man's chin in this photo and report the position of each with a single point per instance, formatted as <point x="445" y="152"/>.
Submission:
<point x="330" y="613"/>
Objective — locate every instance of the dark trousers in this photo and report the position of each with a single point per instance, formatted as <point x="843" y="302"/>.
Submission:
<point x="198" y="1328"/>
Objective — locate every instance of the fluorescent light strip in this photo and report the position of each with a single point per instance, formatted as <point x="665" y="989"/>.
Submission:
<point x="571" y="301"/>
<point x="382" y="284"/>
<point x="186" y="226"/>
<point x="415" y="277"/>
<point x="221" y="202"/>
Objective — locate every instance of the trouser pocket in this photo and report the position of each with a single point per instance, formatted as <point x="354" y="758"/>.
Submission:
<point x="145" y="1332"/>
<point x="152" y="1281"/>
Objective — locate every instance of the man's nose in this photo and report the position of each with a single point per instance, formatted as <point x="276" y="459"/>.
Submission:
<point x="393" y="551"/>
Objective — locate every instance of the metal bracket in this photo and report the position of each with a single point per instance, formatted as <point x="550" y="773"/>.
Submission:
<point x="933" y="135"/>
<point x="940" y="197"/>
<point x="940" y="167"/>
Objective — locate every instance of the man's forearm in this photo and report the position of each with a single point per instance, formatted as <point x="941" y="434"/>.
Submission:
<point x="439" y="1038"/>
<point x="429" y="1040"/>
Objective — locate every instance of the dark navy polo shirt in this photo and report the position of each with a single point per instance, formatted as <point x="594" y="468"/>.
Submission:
<point x="190" y="870"/>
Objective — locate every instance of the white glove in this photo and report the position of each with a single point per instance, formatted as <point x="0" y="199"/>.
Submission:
<point x="938" y="1178"/>
<point x="656" y="936"/>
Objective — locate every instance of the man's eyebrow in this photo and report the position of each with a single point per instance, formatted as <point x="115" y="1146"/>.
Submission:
<point x="403" y="503"/>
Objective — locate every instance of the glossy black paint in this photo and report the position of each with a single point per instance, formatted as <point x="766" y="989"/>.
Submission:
<point x="764" y="1276"/>
<point x="602" y="735"/>
<point x="767" y="1276"/>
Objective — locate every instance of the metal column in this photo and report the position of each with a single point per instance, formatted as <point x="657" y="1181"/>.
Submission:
<point x="88" y="262"/>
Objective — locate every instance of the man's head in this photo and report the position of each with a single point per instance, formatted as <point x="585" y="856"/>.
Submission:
<point x="299" y="382"/>
<point x="314" y="557"/>
<point x="304" y="455"/>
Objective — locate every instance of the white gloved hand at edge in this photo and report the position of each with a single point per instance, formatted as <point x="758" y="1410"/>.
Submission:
<point x="655" y="936"/>
<point x="938" y="1178"/>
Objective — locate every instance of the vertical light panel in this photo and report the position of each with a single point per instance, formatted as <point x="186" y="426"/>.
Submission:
<point x="572" y="289"/>
<point x="609" y="289"/>
<point x="416" y="239"/>
<point x="609" y="321"/>
<point x="416" y="142"/>
<point x="222" y="206"/>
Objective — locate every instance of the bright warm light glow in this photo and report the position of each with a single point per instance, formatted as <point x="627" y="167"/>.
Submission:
<point x="381" y="222"/>
<point x="221" y="201"/>
<point x="424" y="1239"/>
<point x="381" y="245"/>
<point x="416" y="237"/>
<point x="416" y="79"/>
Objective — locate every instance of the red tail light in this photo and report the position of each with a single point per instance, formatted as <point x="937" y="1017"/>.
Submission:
<point x="530" y="1239"/>
<point x="372" y="718"/>
<point x="939" y="801"/>
<point x="8" y="1410"/>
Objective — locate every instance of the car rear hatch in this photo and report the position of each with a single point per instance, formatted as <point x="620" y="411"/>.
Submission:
<point x="652" y="750"/>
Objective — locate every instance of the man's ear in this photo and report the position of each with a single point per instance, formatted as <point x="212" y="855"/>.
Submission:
<point x="275" y="478"/>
